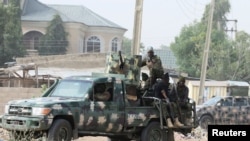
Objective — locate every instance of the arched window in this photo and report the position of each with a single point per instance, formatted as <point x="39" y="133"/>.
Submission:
<point x="114" y="45"/>
<point x="93" y="44"/>
<point x="31" y="39"/>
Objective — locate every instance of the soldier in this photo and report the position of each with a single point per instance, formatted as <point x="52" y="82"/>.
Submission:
<point x="162" y="92"/>
<point x="154" y="64"/>
<point x="101" y="94"/>
<point x="180" y="93"/>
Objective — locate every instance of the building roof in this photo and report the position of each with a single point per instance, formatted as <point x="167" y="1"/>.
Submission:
<point x="34" y="10"/>
<point x="167" y="57"/>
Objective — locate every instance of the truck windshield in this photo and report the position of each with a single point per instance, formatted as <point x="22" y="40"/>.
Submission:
<point x="72" y="88"/>
<point x="212" y="101"/>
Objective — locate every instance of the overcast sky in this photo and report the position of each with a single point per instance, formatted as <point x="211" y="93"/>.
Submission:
<point x="162" y="19"/>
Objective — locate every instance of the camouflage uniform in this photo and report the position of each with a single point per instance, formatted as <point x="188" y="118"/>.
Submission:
<point x="180" y="95"/>
<point x="170" y="110"/>
<point x="127" y="65"/>
<point x="154" y="65"/>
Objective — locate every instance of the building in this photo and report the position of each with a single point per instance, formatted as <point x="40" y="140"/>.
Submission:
<point x="217" y="88"/>
<point x="167" y="57"/>
<point x="87" y="31"/>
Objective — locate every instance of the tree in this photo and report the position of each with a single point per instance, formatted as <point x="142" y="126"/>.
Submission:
<point x="2" y="24"/>
<point x="54" y="42"/>
<point x="127" y="45"/>
<point x="11" y="35"/>
<point x="189" y="46"/>
<point x="240" y="60"/>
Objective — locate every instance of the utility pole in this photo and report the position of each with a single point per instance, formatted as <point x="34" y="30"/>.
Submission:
<point x="205" y="53"/>
<point x="135" y="49"/>
<point x="232" y="29"/>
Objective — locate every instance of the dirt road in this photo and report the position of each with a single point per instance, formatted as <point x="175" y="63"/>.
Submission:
<point x="197" y="135"/>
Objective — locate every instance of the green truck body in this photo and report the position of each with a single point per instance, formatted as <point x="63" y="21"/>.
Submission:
<point x="69" y="109"/>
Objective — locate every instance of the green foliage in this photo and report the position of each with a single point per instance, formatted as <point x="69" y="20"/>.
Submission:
<point x="44" y="87"/>
<point x="188" y="48"/>
<point x="240" y="62"/>
<point x="54" y="42"/>
<point x="127" y="46"/>
<point x="2" y="24"/>
<point x="227" y="59"/>
<point x="11" y="33"/>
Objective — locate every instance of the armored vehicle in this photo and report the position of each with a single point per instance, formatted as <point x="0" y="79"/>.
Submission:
<point x="102" y="104"/>
<point x="229" y="110"/>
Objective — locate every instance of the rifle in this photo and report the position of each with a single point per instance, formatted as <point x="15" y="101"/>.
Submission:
<point x="121" y="61"/>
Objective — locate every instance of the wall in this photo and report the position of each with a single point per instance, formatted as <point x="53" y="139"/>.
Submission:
<point x="15" y="93"/>
<point x="77" y="61"/>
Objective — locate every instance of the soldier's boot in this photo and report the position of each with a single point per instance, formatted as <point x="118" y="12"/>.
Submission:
<point x="169" y="123"/>
<point x="177" y="123"/>
<point x="188" y="122"/>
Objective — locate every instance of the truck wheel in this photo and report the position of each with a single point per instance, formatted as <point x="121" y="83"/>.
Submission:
<point x="60" y="130"/>
<point x="205" y="120"/>
<point x="153" y="132"/>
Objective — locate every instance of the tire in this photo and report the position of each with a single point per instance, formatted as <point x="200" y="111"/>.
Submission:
<point x="153" y="132"/>
<point x="205" y="120"/>
<point x="60" y="130"/>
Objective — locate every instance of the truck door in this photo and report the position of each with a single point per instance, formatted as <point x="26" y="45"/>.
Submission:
<point x="240" y="110"/>
<point x="103" y="114"/>
<point x="225" y="116"/>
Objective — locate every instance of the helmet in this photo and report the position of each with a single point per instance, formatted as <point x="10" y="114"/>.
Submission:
<point x="150" y="49"/>
<point x="166" y="76"/>
<point x="182" y="79"/>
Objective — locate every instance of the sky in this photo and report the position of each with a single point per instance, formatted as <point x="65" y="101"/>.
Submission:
<point x="162" y="20"/>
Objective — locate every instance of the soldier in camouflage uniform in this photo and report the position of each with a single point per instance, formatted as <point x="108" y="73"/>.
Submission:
<point x="181" y="92"/>
<point x="162" y="92"/>
<point x="101" y="94"/>
<point x="154" y="64"/>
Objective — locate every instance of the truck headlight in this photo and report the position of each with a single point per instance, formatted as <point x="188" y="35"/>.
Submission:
<point x="40" y="111"/>
<point x="6" y="109"/>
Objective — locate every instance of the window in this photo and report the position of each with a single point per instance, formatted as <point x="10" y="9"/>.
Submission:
<point x="114" y="45"/>
<point x="93" y="44"/>
<point x="31" y="39"/>
<point x="103" y="92"/>
<point x="228" y="102"/>
<point x="240" y="102"/>
<point x="72" y="88"/>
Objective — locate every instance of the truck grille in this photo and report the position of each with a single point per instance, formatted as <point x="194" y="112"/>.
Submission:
<point x="19" y="110"/>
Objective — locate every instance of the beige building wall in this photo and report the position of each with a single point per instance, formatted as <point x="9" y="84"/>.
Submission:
<point x="78" y="35"/>
<point x="106" y="35"/>
<point x="34" y="26"/>
<point x="16" y="93"/>
<point x="212" y="88"/>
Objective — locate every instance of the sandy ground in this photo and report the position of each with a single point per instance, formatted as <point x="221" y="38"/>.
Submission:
<point x="197" y="135"/>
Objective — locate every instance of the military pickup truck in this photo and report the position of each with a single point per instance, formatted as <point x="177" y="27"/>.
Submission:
<point x="102" y="104"/>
